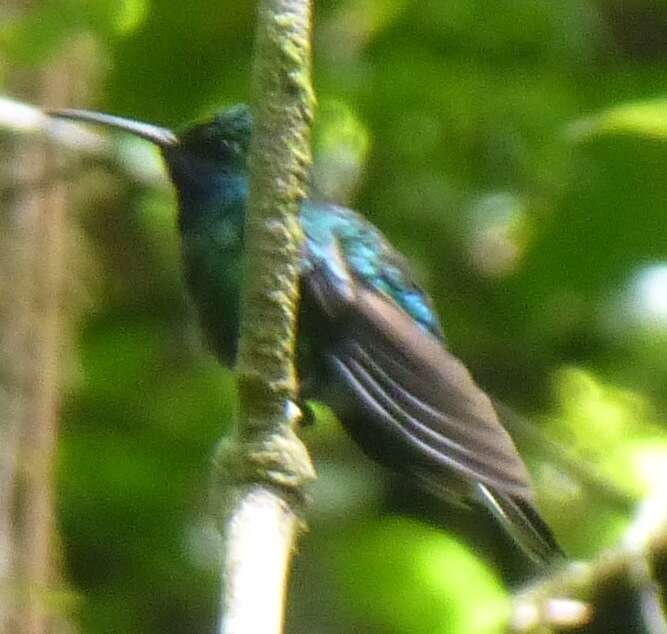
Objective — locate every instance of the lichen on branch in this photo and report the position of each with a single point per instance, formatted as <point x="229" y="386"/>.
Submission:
<point x="263" y="468"/>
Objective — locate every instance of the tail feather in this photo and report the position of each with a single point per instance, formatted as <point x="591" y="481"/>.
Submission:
<point x="523" y="523"/>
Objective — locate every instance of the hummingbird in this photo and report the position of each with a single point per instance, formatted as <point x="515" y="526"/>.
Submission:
<point x="370" y="344"/>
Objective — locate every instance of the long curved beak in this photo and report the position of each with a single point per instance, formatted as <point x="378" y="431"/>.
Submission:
<point x="163" y="137"/>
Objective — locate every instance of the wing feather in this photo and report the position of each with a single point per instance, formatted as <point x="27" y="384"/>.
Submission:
<point x="413" y="392"/>
<point x="403" y="396"/>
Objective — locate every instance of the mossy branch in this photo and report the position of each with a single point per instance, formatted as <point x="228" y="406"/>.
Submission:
<point x="263" y="469"/>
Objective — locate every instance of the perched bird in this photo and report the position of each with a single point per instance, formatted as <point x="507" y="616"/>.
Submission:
<point x="370" y="344"/>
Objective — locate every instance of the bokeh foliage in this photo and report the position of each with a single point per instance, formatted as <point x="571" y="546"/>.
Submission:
<point x="516" y="151"/>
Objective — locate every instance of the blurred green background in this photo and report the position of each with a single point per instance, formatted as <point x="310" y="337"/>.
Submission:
<point x="515" y="151"/>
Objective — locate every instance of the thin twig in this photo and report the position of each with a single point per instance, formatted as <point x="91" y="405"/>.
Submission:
<point x="17" y="117"/>
<point x="541" y="606"/>
<point x="24" y="119"/>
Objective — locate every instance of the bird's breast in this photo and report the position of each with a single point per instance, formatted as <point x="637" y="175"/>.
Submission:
<point x="212" y="263"/>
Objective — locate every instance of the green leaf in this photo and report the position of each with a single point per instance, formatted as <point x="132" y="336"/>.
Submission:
<point x="640" y="118"/>
<point x="407" y="577"/>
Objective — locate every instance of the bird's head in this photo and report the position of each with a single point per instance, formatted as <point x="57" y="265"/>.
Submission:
<point x="200" y="156"/>
<point x="214" y="149"/>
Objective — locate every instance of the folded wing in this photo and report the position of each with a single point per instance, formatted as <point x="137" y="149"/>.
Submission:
<point x="411" y="404"/>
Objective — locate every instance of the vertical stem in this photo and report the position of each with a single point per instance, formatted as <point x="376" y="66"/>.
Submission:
<point x="34" y="342"/>
<point x="44" y="218"/>
<point x="260" y="535"/>
<point x="266" y="464"/>
<point x="279" y="160"/>
<point x="34" y="317"/>
<point x="12" y="400"/>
